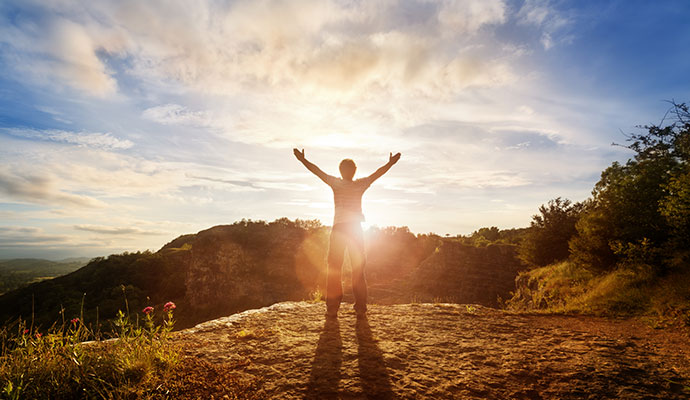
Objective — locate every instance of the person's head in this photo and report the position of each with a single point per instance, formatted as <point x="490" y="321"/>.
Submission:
<point x="347" y="169"/>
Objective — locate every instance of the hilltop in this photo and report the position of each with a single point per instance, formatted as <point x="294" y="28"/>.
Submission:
<point x="250" y="264"/>
<point x="427" y="351"/>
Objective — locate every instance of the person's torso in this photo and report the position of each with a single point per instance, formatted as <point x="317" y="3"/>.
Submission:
<point x="347" y="196"/>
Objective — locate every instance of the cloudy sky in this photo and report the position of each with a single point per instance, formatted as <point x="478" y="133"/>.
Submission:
<point x="124" y="124"/>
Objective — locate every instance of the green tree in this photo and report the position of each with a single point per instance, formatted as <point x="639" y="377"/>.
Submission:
<point x="489" y="234"/>
<point x="546" y="241"/>
<point x="638" y="205"/>
<point x="675" y="207"/>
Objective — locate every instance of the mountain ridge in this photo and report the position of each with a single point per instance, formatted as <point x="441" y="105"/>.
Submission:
<point x="250" y="264"/>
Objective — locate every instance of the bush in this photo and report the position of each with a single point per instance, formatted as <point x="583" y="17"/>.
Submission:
<point x="62" y="364"/>
<point x="675" y="207"/>
<point x="646" y="200"/>
<point x="546" y="241"/>
<point x="590" y="248"/>
<point x="550" y="288"/>
<point x="632" y="289"/>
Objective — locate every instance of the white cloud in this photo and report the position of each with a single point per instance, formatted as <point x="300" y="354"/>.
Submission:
<point x="314" y="45"/>
<point x="552" y="23"/>
<point x="96" y="140"/>
<point x="469" y="16"/>
<point x="54" y="51"/>
<point x="175" y="114"/>
<point x="40" y="189"/>
<point x="116" y="230"/>
<point x="11" y="236"/>
<point x="75" y="58"/>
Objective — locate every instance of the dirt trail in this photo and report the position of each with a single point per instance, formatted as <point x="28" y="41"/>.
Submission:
<point x="435" y="351"/>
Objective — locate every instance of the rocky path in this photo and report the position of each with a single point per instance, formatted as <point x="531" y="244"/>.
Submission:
<point x="429" y="351"/>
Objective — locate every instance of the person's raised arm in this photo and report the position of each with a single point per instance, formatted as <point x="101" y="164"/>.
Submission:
<point x="310" y="166"/>
<point x="379" y="172"/>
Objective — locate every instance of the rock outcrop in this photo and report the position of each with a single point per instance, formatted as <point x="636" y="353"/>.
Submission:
<point x="232" y="269"/>
<point x="427" y="351"/>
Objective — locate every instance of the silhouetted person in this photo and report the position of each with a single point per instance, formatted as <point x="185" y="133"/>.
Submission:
<point x="347" y="230"/>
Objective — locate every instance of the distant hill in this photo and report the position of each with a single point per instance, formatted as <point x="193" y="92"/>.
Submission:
<point x="250" y="264"/>
<point x="20" y="272"/>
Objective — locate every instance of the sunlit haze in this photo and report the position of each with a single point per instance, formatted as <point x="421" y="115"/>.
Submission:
<point x="124" y="124"/>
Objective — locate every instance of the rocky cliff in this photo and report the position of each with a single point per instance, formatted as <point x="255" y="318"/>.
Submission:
<point x="249" y="264"/>
<point x="234" y="268"/>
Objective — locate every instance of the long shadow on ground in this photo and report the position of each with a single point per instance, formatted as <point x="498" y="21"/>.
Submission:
<point x="376" y="382"/>
<point x="325" y="370"/>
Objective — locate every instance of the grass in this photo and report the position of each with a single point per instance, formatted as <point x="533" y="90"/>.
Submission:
<point x="317" y="296"/>
<point x="71" y="360"/>
<point x="627" y="291"/>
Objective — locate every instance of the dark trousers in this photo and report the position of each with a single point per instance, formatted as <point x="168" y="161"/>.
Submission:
<point x="346" y="236"/>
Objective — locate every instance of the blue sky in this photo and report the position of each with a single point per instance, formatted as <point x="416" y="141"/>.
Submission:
<point x="124" y="124"/>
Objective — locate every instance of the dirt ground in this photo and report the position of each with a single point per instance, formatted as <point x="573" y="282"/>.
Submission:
<point x="428" y="351"/>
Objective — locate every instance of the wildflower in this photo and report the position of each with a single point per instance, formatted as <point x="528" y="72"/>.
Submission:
<point x="74" y="321"/>
<point x="169" y="306"/>
<point x="38" y="335"/>
<point x="26" y="331"/>
<point x="148" y="310"/>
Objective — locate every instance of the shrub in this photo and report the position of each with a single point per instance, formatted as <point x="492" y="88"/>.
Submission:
<point x="62" y="364"/>
<point x="546" y="241"/>
<point x="643" y="203"/>
<point x="550" y="288"/>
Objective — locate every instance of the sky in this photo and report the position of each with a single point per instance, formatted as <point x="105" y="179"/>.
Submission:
<point x="124" y="124"/>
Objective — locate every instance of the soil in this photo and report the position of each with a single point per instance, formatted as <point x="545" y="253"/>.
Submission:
<point x="428" y="351"/>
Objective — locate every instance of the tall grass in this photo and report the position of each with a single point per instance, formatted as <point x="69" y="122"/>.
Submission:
<point x="72" y="361"/>
<point x="632" y="289"/>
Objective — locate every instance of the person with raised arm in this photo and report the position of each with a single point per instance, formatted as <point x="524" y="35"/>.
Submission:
<point x="346" y="233"/>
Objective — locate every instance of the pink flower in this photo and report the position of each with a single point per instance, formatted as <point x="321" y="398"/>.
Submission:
<point x="169" y="306"/>
<point x="148" y="310"/>
<point x="74" y="321"/>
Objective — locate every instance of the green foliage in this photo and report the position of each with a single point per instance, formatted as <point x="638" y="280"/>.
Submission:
<point x="626" y="208"/>
<point x="546" y="241"/>
<point x="20" y="272"/>
<point x="492" y="235"/>
<point x="631" y="251"/>
<point x="146" y="277"/>
<point x="61" y="364"/>
<point x="634" y="290"/>
<point x="642" y="204"/>
<point x="590" y="248"/>
<point x="675" y="207"/>
<point x="550" y="288"/>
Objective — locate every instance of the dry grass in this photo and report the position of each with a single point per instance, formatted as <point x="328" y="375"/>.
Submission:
<point x="634" y="290"/>
<point x="62" y="364"/>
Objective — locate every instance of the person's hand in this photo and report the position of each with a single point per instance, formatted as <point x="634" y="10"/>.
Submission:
<point x="299" y="154"/>
<point x="394" y="158"/>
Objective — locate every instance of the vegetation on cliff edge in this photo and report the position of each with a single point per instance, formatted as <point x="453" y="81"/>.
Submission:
<point x="628" y="245"/>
